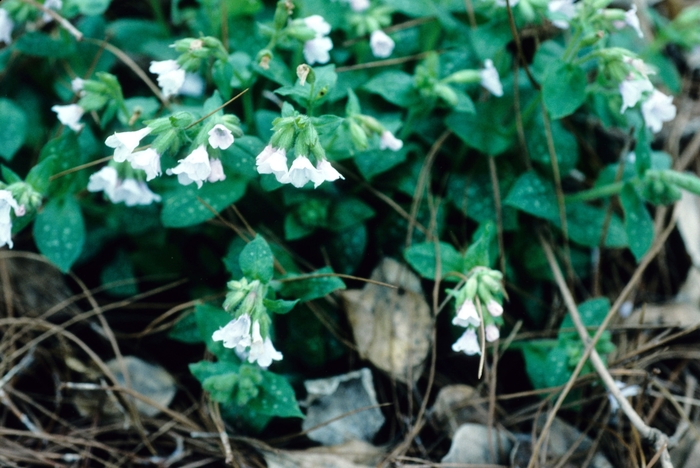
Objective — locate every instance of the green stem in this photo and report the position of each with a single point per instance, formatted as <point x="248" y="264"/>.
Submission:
<point x="572" y="48"/>
<point x="596" y="192"/>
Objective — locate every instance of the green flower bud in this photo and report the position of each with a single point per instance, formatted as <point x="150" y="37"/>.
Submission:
<point x="493" y="285"/>
<point x="446" y="93"/>
<point x="371" y="123"/>
<point x="358" y="136"/>
<point x="283" y="138"/>
<point x="300" y="31"/>
<point x="470" y="287"/>
<point x="463" y="77"/>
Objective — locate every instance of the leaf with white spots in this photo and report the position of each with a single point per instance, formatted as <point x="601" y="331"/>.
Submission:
<point x="276" y="398"/>
<point x="638" y="223"/>
<point x="534" y="195"/>
<point x="188" y="206"/>
<point x="59" y="232"/>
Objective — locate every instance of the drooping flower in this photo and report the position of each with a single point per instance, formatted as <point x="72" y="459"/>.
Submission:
<point x="492" y="333"/>
<point x="194" y="168"/>
<point x="359" y="6"/>
<point x="494" y="308"/>
<point x="657" y="109"/>
<point x="220" y="137"/>
<point x="328" y="173"/>
<point x="53" y="5"/>
<point x="317" y="50"/>
<point x="7" y="203"/>
<point x="468" y="343"/>
<point x="217" y="171"/>
<point x="70" y="116"/>
<point x="388" y="141"/>
<point x="563" y="11"/>
<point x="490" y="79"/>
<point x="302" y="171"/>
<point x="147" y="160"/>
<point x="170" y="76"/>
<point x="632" y="20"/>
<point x="467" y="315"/>
<point x="236" y="333"/>
<point x="105" y="180"/>
<point x="124" y="143"/>
<point x="272" y="161"/>
<point x="6" y="27"/>
<point x="381" y="44"/>
<point x="133" y="192"/>
<point x="262" y="351"/>
<point x="77" y="85"/>
<point x="631" y="91"/>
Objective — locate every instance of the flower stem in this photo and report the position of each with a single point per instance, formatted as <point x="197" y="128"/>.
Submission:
<point x="596" y="192"/>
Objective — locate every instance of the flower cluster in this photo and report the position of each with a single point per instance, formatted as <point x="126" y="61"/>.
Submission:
<point x="248" y="333"/>
<point x="657" y="107"/>
<point x="197" y="167"/>
<point x="482" y="287"/>
<point x="70" y="115"/>
<point x="128" y="190"/>
<point x="274" y="161"/>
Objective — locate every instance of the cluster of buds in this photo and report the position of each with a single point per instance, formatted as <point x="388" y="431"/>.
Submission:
<point x="367" y="20"/>
<point x="249" y="331"/>
<point x="482" y="288"/>
<point x="297" y="131"/>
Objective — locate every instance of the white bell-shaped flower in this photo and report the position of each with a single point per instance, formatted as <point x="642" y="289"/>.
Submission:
<point x="317" y="50"/>
<point x="170" y="76"/>
<point x="147" y="160"/>
<point x="124" y="143"/>
<point x="6" y="27"/>
<point x="7" y="203"/>
<point x="133" y="192"/>
<point x="468" y="343"/>
<point x="358" y="6"/>
<point x="562" y="11"/>
<point x="236" y="333"/>
<point x="195" y="166"/>
<point x="220" y="137"/>
<point x="632" y="20"/>
<point x="105" y="180"/>
<point x="467" y="315"/>
<point x="328" y="172"/>
<point x="632" y="90"/>
<point x="53" y="5"/>
<point x="70" y="116"/>
<point x="302" y="171"/>
<point x="272" y="161"/>
<point x="381" y="44"/>
<point x="490" y="79"/>
<point x="262" y="351"/>
<point x="217" y="171"/>
<point x="387" y="140"/>
<point x="657" y="109"/>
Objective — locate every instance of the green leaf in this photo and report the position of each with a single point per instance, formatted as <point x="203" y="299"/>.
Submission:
<point x="185" y="330"/>
<point x="535" y="353"/>
<point x="276" y="398"/>
<point x="221" y="387"/>
<point x="42" y="45"/>
<point x="13" y="128"/>
<point x="59" y="232"/>
<point x="394" y="86"/>
<point x="478" y="252"/>
<point x="311" y="288"/>
<point x="534" y="195"/>
<point x="563" y="88"/>
<point x="65" y="151"/>
<point x="279" y="306"/>
<point x="256" y="260"/>
<point x="92" y="7"/>
<point x="422" y="258"/>
<point x="585" y="225"/>
<point x="347" y="249"/>
<point x="592" y="313"/>
<point x="182" y="207"/>
<point x="9" y="176"/>
<point x="557" y="371"/>
<point x="239" y="158"/>
<point x="231" y="259"/>
<point x="639" y="226"/>
<point x="485" y="130"/>
<point x="293" y="229"/>
<point x="371" y="163"/>
<point x="348" y="212"/>
<point x="203" y="370"/>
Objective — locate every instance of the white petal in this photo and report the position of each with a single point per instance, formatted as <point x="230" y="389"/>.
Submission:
<point x="217" y="171"/>
<point x="317" y="50"/>
<point x="70" y="116"/>
<point x="492" y="333"/>
<point x="328" y="172"/>
<point x="318" y="24"/>
<point x="220" y="137"/>
<point x="105" y="180"/>
<point x="490" y="79"/>
<point x="657" y="109"/>
<point x="6" y="27"/>
<point x="195" y="166"/>
<point x="147" y="160"/>
<point x="125" y="143"/>
<point x="302" y="171"/>
<point x="382" y="45"/>
<point x="389" y="141"/>
<point x="468" y="343"/>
